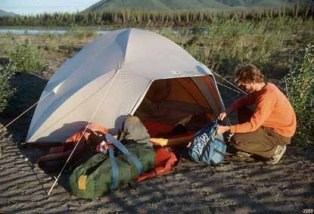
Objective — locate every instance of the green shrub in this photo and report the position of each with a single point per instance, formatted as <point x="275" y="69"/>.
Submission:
<point x="5" y="89"/>
<point x="267" y="43"/>
<point x="25" y="57"/>
<point x="299" y="86"/>
<point x="80" y="32"/>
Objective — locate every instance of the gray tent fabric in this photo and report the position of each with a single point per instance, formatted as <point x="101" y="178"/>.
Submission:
<point x="108" y="79"/>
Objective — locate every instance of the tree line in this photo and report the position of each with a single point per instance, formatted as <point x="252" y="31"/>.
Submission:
<point x="156" y="18"/>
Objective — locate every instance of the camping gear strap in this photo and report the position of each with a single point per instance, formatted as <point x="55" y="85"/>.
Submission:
<point x="130" y="156"/>
<point x="115" y="171"/>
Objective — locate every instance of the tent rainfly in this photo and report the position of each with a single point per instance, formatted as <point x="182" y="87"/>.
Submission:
<point x="123" y="72"/>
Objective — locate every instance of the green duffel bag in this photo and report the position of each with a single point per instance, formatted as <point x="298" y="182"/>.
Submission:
<point x="103" y="173"/>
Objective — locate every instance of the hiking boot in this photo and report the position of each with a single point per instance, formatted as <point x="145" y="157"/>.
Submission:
<point x="280" y="150"/>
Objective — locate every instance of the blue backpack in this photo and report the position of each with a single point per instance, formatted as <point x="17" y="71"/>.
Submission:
<point x="207" y="146"/>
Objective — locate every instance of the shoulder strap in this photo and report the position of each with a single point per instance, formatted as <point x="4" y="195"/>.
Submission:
<point x="124" y="150"/>
<point x="115" y="171"/>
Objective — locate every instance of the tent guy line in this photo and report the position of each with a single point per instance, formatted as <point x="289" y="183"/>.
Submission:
<point x="236" y="87"/>
<point x="53" y="91"/>
<point x="231" y="89"/>
<point x="84" y="131"/>
<point x="24" y="112"/>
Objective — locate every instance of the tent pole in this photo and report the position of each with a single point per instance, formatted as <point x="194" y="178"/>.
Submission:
<point x="86" y="127"/>
<point x="65" y="164"/>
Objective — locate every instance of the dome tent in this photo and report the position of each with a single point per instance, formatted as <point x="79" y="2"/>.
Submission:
<point x="110" y="77"/>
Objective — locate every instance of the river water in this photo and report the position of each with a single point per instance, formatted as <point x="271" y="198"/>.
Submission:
<point x="39" y="31"/>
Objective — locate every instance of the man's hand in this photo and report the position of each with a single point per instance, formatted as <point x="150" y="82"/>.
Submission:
<point x="222" y="116"/>
<point x="222" y="129"/>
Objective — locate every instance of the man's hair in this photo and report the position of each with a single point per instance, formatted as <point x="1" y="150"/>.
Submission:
<point x="248" y="73"/>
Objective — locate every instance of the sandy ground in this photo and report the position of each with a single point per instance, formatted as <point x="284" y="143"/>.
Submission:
<point x="236" y="186"/>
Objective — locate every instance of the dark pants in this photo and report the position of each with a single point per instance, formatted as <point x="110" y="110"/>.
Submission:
<point x="262" y="142"/>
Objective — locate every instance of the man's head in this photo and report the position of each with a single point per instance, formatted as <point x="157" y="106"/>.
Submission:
<point x="249" y="77"/>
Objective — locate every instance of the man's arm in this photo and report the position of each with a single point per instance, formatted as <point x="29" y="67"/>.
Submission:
<point x="246" y="100"/>
<point x="223" y="129"/>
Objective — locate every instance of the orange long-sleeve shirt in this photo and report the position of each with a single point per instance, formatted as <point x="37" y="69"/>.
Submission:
<point x="273" y="110"/>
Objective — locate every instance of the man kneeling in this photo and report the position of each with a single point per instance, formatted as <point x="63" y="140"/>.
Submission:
<point x="267" y="120"/>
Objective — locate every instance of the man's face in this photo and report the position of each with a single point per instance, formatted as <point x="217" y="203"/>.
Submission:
<point x="247" y="87"/>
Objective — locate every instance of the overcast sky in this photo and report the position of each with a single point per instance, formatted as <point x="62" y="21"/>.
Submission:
<point x="31" y="7"/>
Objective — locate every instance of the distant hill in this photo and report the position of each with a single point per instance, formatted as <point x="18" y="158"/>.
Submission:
<point x="156" y="4"/>
<point x="5" y="13"/>
<point x="263" y="3"/>
<point x="169" y="5"/>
